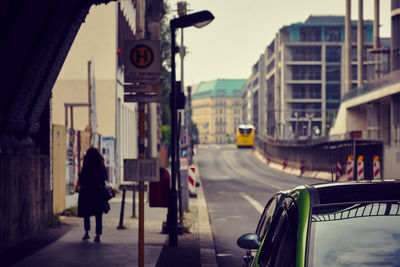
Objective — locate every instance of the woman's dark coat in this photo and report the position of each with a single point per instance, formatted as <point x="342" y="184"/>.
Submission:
<point x="91" y="202"/>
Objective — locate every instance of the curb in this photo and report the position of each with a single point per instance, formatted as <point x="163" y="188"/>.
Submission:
<point x="327" y="176"/>
<point x="208" y="257"/>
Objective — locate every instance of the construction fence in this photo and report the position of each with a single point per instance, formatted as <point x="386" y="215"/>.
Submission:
<point x="322" y="155"/>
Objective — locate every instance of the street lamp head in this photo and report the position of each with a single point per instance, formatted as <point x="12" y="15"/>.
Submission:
<point x="198" y="19"/>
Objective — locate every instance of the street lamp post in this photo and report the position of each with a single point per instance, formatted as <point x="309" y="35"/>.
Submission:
<point x="198" y="19"/>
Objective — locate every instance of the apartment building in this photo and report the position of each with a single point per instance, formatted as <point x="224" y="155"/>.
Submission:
<point x="253" y="94"/>
<point x="217" y="110"/>
<point x="304" y="77"/>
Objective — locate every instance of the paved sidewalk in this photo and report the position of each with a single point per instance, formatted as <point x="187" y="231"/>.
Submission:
<point x="120" y="247"/>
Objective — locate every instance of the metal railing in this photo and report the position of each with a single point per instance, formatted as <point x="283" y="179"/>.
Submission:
<point x="389" y="79"/>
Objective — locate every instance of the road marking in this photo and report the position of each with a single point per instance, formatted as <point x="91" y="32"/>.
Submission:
<point x="247" y="176"/>
<point x="254" y="203"/>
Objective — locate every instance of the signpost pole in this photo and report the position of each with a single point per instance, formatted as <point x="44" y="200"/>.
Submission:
<point x="141" y="185"/>
<point x="141" y="6"/>
<point x="141" y="85"/>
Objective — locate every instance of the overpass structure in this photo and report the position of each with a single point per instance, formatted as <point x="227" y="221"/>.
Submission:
<point x="36" y="38"/>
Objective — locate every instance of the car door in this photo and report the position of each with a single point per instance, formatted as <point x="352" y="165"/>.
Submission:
<point x="279" y="246"/>
<point x="263" y="225"/>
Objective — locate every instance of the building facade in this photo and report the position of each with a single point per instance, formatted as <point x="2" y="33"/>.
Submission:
<point x="217" y="110"/>
<point x="304" y="77"/>
<point x="372" y="111"/>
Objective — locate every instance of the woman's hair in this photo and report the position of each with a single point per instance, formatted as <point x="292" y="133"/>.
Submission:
<point x="93" y="158"/>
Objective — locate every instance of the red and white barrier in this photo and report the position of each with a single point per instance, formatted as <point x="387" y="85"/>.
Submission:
<point x="302" y="167"/>
<point x="285" y="163"/>
<point x="268" y="158"/>
<point x="338" y="170"/>
<point x="360" y="168"/>
<point x="192" y="180"/>
<point x="350" y="168"/>
<point x="377" y="168"/>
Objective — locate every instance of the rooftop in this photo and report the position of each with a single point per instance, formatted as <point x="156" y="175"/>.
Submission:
<point x="220" y="88"/>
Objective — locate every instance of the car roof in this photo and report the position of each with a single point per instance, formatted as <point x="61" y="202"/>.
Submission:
<point x="364" y="191"/>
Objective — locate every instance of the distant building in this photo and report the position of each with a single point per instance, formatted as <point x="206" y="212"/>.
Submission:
<point x="300" y="92"/>
<point x="216" y="109"/>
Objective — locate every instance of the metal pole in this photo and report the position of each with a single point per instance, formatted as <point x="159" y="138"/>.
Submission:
<point x="72" y="117"/>
<point x="347" y="45"/>
<point x="172" y="203"/>
<point x="121" y="215"/>
<point x="190" y="125"/>
<point x="66" y="116"/>
<point x="134" y="203"/>
<point x="90" y="99"/>
<point x="179" y="174"/>
<point x="376" y="36"/>
<point x="360" y="44"/>
<point x="140" y="28"/>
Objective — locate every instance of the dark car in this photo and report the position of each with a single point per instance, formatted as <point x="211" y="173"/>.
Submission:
<point x="337" y="224"/>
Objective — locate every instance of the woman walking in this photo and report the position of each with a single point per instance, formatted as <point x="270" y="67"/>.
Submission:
<point x="91" y="201"/>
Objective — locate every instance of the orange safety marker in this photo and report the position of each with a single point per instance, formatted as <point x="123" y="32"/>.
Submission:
<point x="376" y="168"/>
<point x="350" y="168"/>
<point x="338" y="170"/>
<point x="360" y="168"/>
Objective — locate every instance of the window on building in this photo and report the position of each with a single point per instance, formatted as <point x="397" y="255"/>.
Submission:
<point x="332" y="105"/>
<point x="306" y="53"/>
<point x="333" y="34"/>
<point x="333" y="73"/>
<point x="354" y="72"/>
<point x="306" y="91"/>
<point x="333" y="54"/>
<point x="271" y="66"/>
<point x="306" y="72"/>
<point x="310" y="34"/>
<point x="333" y="92"/>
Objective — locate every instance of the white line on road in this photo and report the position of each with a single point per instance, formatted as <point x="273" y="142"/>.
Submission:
<point x="254" y="203"/>
<point x="242" y="172"/>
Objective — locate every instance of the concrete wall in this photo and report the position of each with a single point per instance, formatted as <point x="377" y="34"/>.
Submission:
<point x="25" y="196"/>
<point x="321" y="156"/>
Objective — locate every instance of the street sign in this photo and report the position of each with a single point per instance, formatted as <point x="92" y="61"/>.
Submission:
<point x="142" y="71"/>
<point x="142" y="56"/>
<point x="184" y="152"/>
<point x="183" y="163"/>
<point x="142" y="170"/>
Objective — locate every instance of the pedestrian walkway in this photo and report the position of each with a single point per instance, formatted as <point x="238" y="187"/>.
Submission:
<point x="120" y="247"/>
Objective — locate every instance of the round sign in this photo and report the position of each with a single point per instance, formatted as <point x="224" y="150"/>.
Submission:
<point x="142" y="56"/>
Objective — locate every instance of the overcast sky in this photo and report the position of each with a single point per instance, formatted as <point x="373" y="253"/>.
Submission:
<point x="233" y="42"/>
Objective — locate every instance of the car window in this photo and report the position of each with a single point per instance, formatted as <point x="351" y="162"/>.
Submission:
<point x="365" y="234"/>
<point x="266" y="217"/>
<point x="279" y="247"/>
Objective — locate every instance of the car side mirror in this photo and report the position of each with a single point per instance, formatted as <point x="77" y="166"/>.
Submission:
<point x="249" y="241"/>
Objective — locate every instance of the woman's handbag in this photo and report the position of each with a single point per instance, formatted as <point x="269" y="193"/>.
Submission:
<point x="107" y="192"/>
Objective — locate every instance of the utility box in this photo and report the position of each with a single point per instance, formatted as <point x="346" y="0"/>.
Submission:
<point x="158" y="192"/>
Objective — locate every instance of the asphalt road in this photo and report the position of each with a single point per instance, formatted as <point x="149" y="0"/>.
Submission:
<point x="237" y="185"/>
